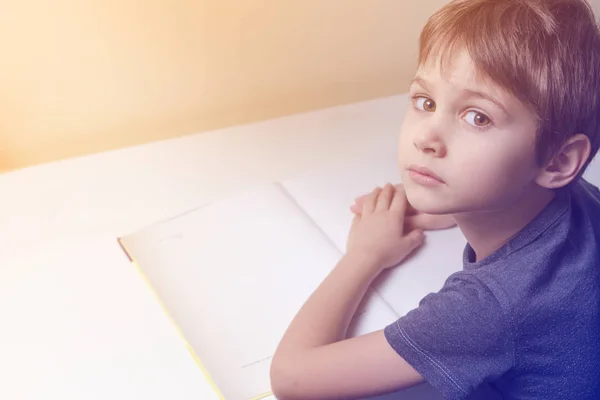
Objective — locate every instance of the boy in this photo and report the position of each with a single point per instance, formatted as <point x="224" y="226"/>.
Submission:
<point x="504" y="119"/>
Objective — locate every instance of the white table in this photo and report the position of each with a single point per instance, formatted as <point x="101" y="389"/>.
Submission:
<point x="114" y="193"/>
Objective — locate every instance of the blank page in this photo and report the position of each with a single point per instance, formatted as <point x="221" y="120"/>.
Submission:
<point x="233" y="274"/>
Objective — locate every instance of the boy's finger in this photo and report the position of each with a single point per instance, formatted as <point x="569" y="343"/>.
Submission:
<point x="399" y="202"/>
<point x="360" y="200"/>
<point x="355" y="220"/>
<point x="410" y="210"/>
<point x="370" y="201"/>
<point x="414" y="240"/>
<point x="361" y="197"/>
<point x="385" y="198"/>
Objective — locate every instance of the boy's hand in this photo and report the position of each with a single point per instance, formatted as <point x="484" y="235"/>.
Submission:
<point x="413" y="219"/>
<point x="376" y="234"/>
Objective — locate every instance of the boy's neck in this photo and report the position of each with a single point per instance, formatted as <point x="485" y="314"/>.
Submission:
<point x="486" y="232"/>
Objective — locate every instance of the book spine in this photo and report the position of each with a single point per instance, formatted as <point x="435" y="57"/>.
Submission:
<point x="124" y="249"/>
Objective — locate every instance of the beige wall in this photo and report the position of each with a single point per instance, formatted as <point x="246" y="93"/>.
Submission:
<point x="81" y="76"/>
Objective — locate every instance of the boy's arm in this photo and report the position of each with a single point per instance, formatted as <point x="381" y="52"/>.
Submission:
<point x="313" y="361"/>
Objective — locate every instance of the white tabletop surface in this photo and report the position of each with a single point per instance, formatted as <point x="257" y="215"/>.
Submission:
<point x="67" y="319"/>
<point x="120" y="191"/>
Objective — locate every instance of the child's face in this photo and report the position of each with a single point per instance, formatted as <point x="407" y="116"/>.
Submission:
<point x="483" y="152"/>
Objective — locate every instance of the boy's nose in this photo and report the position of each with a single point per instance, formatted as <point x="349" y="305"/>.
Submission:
<point x="430" y="144"/>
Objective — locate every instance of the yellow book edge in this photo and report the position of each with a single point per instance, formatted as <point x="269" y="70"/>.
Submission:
<point x="178" y="330"/>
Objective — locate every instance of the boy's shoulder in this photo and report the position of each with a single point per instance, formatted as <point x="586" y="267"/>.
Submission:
<point x="567" y="229"/>
<point x="552" y="258"/>
<point x="586" y="198"/>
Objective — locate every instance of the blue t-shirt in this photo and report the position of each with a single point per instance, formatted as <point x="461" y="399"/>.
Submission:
<point x="525" y="321"/>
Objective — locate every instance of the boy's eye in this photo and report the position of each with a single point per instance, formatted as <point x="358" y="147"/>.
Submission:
<point x="425" y="104"/>
<point x="477" y="119"/>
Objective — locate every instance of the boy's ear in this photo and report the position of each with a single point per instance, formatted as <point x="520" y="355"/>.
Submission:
<point x="561" y="169"/>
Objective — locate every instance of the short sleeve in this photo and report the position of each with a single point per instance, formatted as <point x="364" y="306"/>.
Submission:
<point x="458" y="338"/>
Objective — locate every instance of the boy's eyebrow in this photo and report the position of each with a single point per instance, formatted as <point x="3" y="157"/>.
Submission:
<point x="485" y="96"/>
<point x="468" y="92"/>
<point x="420" y="81"/>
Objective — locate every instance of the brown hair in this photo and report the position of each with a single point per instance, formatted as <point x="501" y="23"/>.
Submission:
<point x="544" y="52"/>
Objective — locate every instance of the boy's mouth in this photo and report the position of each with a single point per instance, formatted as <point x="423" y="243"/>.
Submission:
<point x="424" y="175"/>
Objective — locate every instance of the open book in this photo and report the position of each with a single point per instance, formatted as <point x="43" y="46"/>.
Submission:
<point x="232" y="274"/>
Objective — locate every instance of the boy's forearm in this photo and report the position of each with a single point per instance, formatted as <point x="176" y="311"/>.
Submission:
<point x="327" y="313"/>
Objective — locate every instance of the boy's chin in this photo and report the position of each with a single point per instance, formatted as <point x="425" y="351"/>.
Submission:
<point x="428" y="205"/>
<point x="435" y="210"/>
